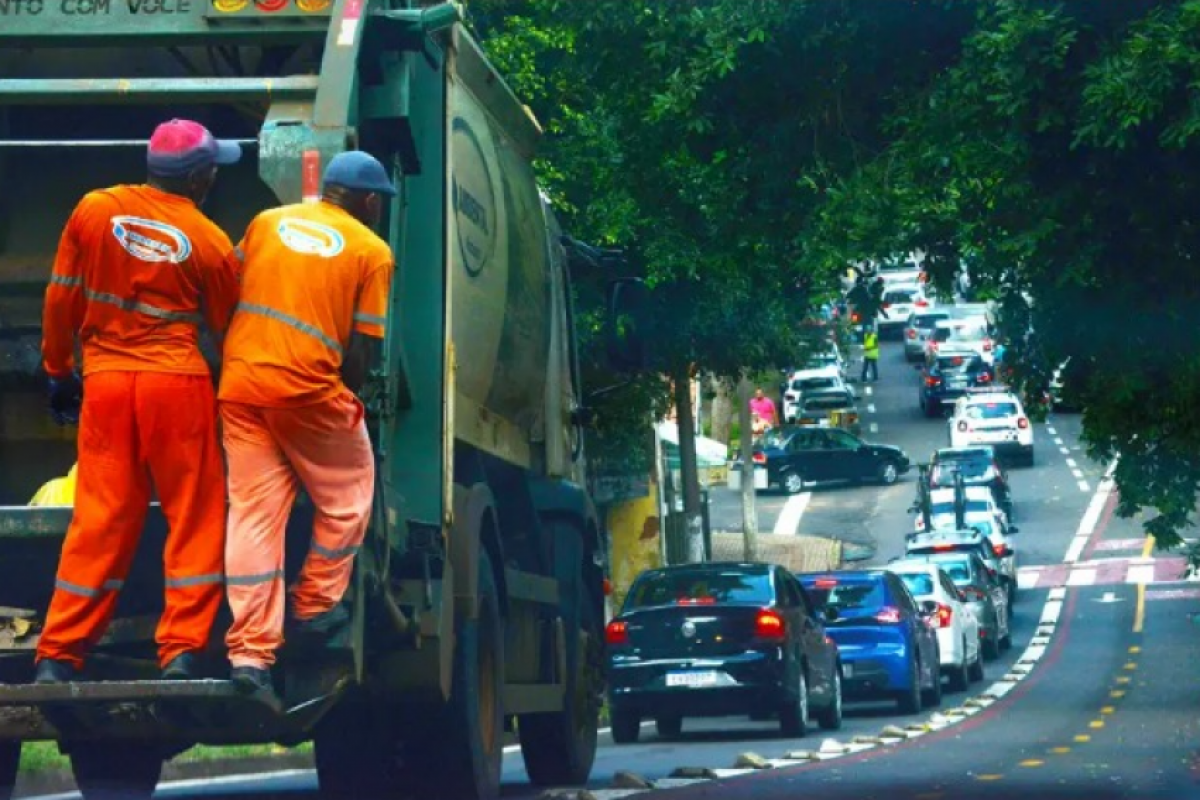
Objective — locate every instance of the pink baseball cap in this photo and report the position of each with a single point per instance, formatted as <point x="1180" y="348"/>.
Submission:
<point x="180" y="147"/>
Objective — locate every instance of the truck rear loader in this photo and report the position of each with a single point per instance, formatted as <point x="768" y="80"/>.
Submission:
<point x="477" y="600"/>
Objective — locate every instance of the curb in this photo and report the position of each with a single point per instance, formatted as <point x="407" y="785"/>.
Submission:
<point x="59" y="781"/>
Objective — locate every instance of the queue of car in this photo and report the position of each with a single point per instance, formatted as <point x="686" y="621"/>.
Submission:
<point x="752" y="639"/>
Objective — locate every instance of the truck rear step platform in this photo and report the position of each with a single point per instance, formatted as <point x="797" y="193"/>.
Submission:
<point x="191" y="712"/>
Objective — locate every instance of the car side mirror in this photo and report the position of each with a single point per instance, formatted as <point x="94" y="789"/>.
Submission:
<point x="1013" y="529"/>
<point x="929" y="607"/>
<point x="830" y="613"/>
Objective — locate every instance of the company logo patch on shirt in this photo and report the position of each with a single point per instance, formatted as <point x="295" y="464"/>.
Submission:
<point x="310" y="238"/>
<point x="149" y="240"/>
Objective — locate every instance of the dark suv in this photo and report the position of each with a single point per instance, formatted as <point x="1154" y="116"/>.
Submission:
<point x="947" y="377"/>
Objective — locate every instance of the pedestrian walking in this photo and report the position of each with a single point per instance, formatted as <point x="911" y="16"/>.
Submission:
<point x="139" y="269"/>
<point x="311" y="320"/>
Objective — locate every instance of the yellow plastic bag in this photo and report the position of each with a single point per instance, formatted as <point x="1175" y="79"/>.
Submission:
<point x="57" y="492"/>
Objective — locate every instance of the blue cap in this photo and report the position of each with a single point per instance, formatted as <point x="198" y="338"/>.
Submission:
<point x="358" y="171"/>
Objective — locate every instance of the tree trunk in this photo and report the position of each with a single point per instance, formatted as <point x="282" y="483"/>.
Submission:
<point x="689" y="473"/>
<point x="749" y="496"/>
<point x="722" y="412"/>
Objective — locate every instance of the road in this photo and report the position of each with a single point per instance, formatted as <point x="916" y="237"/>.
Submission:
<point x="1096" y="699"/>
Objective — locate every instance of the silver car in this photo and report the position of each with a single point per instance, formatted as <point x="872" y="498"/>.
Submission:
<point x="917" y="330"/>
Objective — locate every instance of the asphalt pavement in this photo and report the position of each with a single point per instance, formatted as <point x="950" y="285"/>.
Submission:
<point x="1097" y="698"/>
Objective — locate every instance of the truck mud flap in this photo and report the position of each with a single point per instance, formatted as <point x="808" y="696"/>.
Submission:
<point x="174" y="713"/>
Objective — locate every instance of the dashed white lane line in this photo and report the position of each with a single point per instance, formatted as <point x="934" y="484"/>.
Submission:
<point x="1071" y="463"/>
<point x="868" y="391"/>
<point x="1078" y="473"/>
<point x="1051" y="431"/>
<point x="1058" y="441"/>
<point x="870" y="408"/>
<point x="874" y="427"/>
<point x="788" y="521"/>
<point x="1064" y="451"/>
<point x="1084" y="487"/>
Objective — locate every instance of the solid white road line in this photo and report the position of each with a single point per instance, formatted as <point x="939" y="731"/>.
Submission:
<point x="788" y="521"/>
<point x="1091" y="518"/>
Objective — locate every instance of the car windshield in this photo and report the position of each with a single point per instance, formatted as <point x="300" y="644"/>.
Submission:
<point x="848" y="596"/>
<point x="826" y="402"/>
<point x="958" y="570"/>
<point x="809" y="384"/>
<point x="928" y="320"/>
<point x="777" y="437"/>
<point x="919" y="583"/>
<point x="700" y="586"/>
<point x="998" y="410"/>
<point x="971" y="463"/>
<point x="899" y="296"/>
<point x="947" y="507"/>
<point x="969" y="334"/>
<point x="959" y="362"/>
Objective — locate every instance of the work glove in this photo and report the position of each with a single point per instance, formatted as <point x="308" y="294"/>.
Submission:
<point x="66" y="398"/>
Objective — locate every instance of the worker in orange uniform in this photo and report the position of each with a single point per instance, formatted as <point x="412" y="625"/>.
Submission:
<point x="311" y="318"/>
<point x="138" y="270"/>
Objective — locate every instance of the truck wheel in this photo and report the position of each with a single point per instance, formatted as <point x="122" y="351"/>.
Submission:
<point x="467" y="744"/>
<point x="10" y="760"/>
<point x="355" y="752"/>
<point x="116" y="770"/>
<point x="559" y="748"/>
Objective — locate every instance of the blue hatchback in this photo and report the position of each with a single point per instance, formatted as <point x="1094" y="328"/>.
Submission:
<point x="888" y="648"/>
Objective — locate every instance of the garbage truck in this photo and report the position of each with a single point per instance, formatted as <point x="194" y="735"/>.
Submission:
<point x="478" y="598"/>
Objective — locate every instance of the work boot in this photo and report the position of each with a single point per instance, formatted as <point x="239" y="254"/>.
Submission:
<point x="181" y="668"/>
<point x="256" y="683"/>
<point x="50" y="670"/>
<point x="329" y="629"/>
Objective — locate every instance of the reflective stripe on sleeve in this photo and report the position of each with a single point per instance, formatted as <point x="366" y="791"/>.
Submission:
<point x="63" y="280"/>
<point x="287" y="319"/>
<point x="254" y="580"/>
<point x="370" y="319"/>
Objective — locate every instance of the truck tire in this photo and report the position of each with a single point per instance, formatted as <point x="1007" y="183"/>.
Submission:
<point x="559" y="748"/>
<point x="466" y="743"/>
<point x="10" y="760"/>
<point x="116" y="770"/>
<point x="355" y="751"/>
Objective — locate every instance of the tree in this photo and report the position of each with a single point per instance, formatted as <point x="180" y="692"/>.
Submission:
<point x="1058" y="151"/>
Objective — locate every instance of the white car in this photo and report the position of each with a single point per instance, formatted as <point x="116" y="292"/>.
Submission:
<point x="993" y="417"/>
<point x="963" y="334"/>
<point x="953" y="618"/>
<point x="990" y="523"/>
<point x="900" y="301"/>
<point x="825" y="379"/>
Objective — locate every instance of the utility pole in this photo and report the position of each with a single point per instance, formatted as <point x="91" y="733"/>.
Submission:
<point x="689" y="471"/>
<point x="749" y="493"/>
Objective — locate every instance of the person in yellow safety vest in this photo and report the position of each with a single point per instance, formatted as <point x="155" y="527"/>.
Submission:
<point x="870" y="356"/>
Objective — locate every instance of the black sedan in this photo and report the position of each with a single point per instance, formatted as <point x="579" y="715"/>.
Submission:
<point x="947" y="376"/>
<point x="795" y="455"/>
<point x="720" y="639"/>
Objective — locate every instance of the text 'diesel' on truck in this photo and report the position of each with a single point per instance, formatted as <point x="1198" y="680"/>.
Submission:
<point x="477" y="599"/>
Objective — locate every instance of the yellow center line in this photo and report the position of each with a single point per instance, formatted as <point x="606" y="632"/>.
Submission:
<point x="1107" y="709"/>
<point x="1117" y="693"/>
<point x="988" y="777"/>
<point x="1131" y="666"/>
<point x="1139" y="612"/>
<point x="1058" y="751"/>
<point x="1031" y="762"/>
<point x="1135" y="649"/>
<point x="1123" y="679"/>
<point x="1083" y="737"/>
<point x="1096" y="723"/>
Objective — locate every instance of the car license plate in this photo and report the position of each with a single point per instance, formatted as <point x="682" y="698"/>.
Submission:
<point x="847" y="670"/>
<point x="692" y="679"/>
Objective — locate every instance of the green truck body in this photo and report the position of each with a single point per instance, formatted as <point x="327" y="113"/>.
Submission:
<point x="478" y="600"/>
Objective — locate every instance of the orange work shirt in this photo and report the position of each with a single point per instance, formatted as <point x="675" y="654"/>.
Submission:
<point x="312" y="274"/>
<point x="137" y="270"/>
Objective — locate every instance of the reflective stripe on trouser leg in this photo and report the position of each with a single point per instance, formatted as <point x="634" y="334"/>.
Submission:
<point x="177" y="423"/>
<point x="112" y="493"/>
<point x="328" y="446"/>
<point x="262" y="489"/>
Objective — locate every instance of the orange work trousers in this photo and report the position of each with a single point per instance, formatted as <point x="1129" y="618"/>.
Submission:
<point x="137" y="428"/>
<point x="270" y="453"/>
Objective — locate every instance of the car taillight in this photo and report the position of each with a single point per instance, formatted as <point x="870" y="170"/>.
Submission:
<point x="921" y="304"/>
<point x="855" y="317"/>
<point x="760" y="458"/>
<point x="617" y="632"/>
<point x="1022" y="423"/>
<point x="963" y="427"/>
<point x="944" y="614"/>
<point x="998" y="549"/>
<point x="984" y="377"/>
<point x="769" y="625"/>
<point x="932" y="381"/>
<point x="887" y="306"/>
<point x="912" y="334"/>
<point x="943" y="548"/>
<point x="888" y="616"/>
